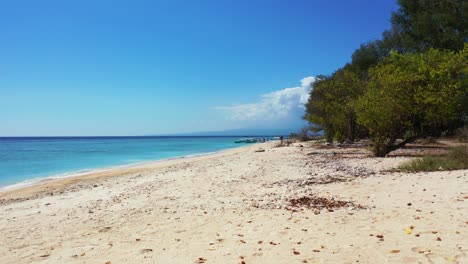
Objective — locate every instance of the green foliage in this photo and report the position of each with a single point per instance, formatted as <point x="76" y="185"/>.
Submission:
<point x="367" y="56"/>
<point x="404" y="86"/>
<point x="413" y="94"/>
<point x="456" y="159"/>
<point x="330" y="105"/>
<point x="419" y="25"/>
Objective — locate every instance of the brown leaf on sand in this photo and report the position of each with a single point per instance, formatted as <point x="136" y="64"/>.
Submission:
<point x="439" y="239"/>
<point x="419" y="250"/>
<point x="395" y="251"/>
<point x="108" y="262"/>
<point x="296" y="252"/>
<point x="200" y="260"/>
<point x="105" y="229"/>
<point x="44" y="256"/>
<point x="146" y="250"/>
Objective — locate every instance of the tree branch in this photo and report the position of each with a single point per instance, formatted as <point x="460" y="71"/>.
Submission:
<point x="404" y="142"/>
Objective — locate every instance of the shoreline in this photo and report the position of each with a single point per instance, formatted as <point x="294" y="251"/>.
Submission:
<point x="84" y="172"/>
<point x="49" y="182"/>
<point x="302" y="203"/>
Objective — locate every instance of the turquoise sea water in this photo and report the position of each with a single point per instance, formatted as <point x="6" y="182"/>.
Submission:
<point x="28" y="159"/>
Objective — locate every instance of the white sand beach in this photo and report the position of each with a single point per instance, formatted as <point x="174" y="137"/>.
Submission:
<point x="238" y="207"/>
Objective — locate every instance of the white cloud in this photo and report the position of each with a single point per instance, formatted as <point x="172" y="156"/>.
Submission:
<point x="276" y="105"/>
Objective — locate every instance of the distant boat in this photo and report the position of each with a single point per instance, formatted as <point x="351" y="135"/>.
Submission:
<point x="247" y="140"/>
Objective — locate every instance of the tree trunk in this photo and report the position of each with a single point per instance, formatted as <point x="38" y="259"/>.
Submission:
<point x="381" y="148"/>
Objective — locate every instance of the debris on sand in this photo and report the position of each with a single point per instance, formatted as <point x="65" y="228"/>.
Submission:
<point x="200" y="260"/>
<point x="311" y="181"/>
<point x="319" y="203"/>
<point x="322" y="180"/>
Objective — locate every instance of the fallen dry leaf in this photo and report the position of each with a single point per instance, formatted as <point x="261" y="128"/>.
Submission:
<point x="200" y="260"/>
<point x="395" y="251"/>
<point x="146" y="250"/>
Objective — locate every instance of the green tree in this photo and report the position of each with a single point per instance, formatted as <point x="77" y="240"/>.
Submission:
<point x="419" y="25"/>
<point x="330" y="105"/>
<point x="317" y="112"/>
<point x="413" y="95"/>
<point x="366" y="56"/>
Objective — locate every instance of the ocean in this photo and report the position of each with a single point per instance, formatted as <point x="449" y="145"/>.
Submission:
<point x="30" y="159"/>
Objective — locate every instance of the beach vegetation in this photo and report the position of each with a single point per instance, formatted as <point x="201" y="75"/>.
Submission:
<point x="304" y="134"/>
<point x="413" y="96"/>
<point x="461" y="134"/>
<point x="409" y="84"/>
<point x="330" y="106"/>
<point x="419" y="25"/>
<point x="455" y="159"/>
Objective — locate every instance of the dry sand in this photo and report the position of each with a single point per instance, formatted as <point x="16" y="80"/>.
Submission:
<point x="235" y="207"/>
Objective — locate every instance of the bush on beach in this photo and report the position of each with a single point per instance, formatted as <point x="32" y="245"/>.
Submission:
<point x="408" y="85"/>
<point x="455" y="159"/>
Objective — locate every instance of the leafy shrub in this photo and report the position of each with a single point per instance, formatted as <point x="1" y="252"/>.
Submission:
<point x="455" y="159"/>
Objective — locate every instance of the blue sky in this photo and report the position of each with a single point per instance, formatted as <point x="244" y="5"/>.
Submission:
<point x="157" y="67"/>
